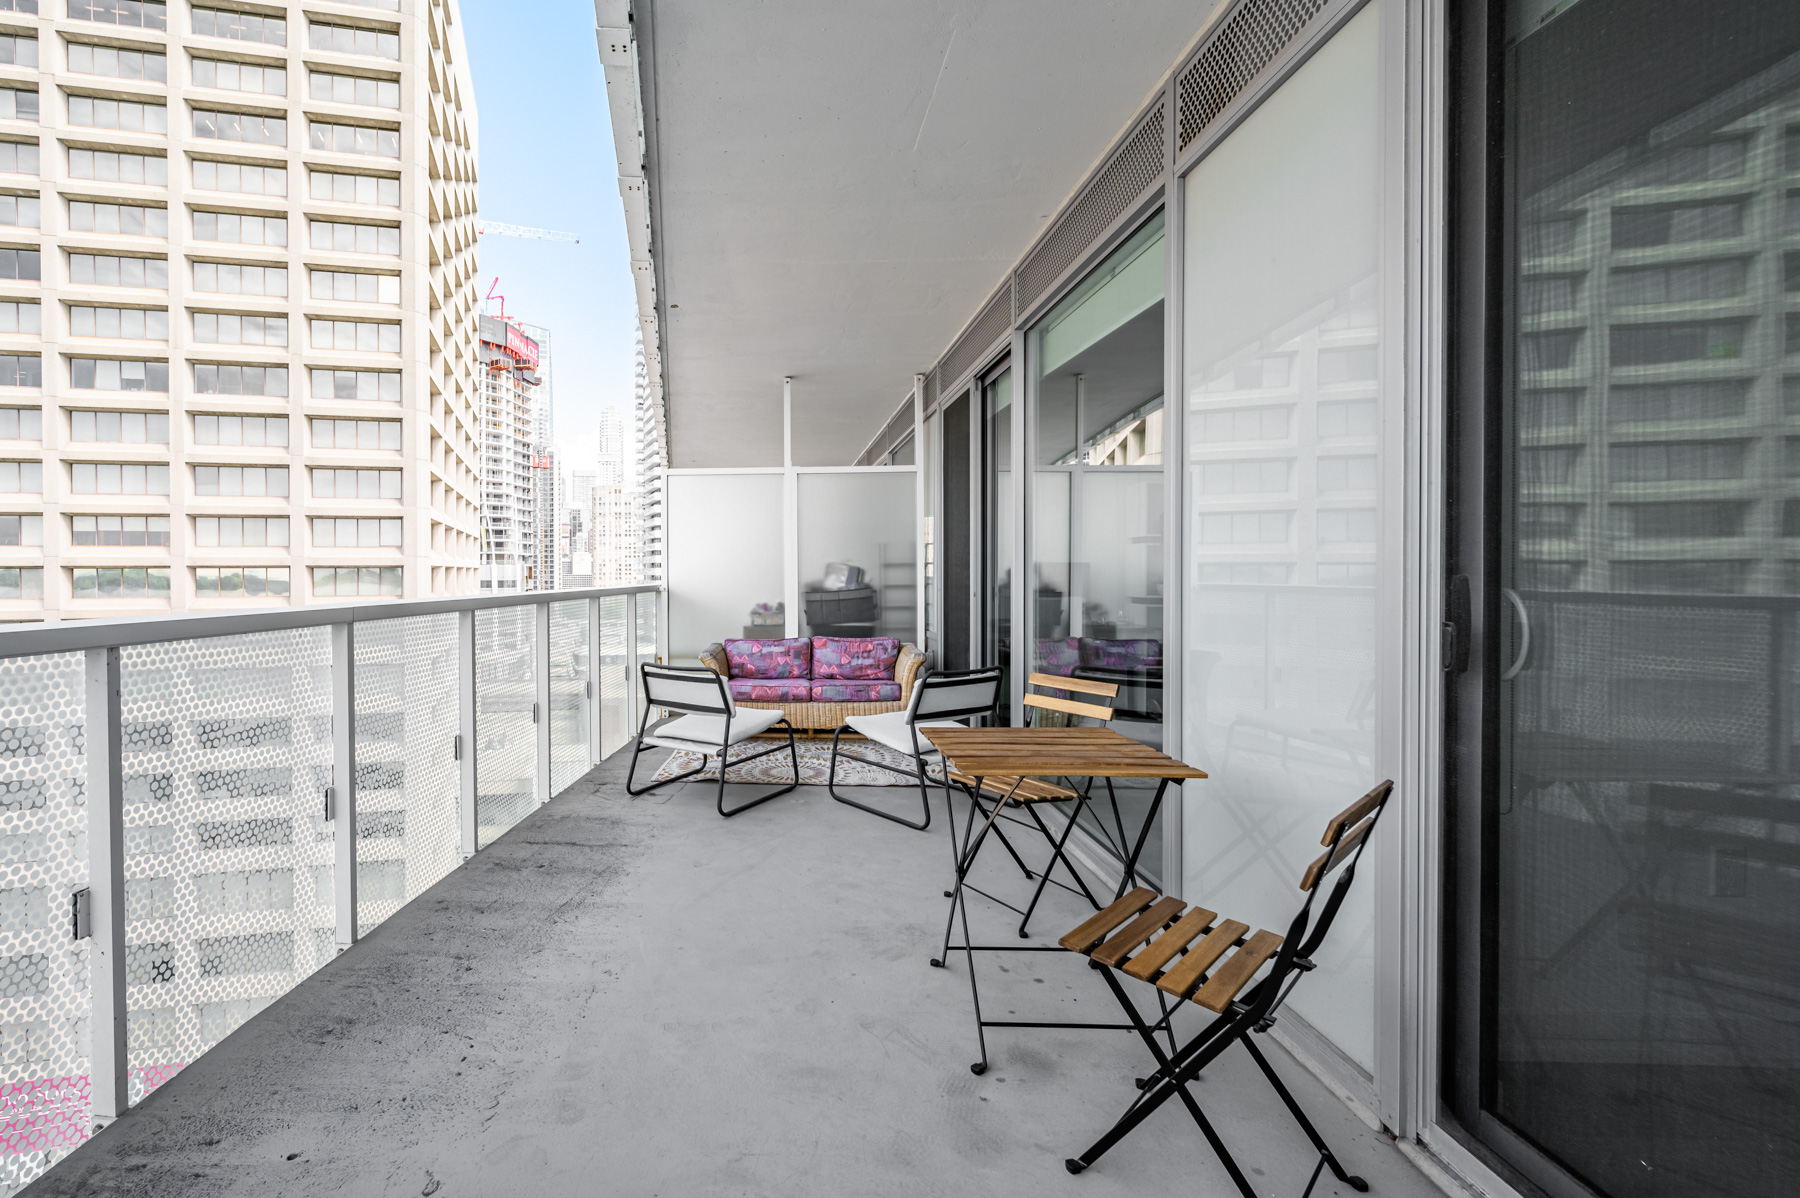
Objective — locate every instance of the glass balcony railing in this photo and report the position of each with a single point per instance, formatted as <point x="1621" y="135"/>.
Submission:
<point x="196" y="812"/>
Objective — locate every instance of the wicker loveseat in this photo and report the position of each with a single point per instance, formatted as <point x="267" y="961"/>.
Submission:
<point x="819" y="682"/>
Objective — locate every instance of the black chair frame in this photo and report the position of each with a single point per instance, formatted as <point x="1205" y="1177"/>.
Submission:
<point x="724" y="709"/>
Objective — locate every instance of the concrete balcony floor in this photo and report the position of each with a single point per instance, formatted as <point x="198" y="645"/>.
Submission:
<point x="635" y="997"/>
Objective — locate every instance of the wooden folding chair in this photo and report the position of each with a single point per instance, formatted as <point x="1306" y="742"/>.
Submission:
<point x="1212" y="962"/>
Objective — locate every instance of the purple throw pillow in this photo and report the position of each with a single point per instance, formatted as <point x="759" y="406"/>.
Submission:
<point x="770" y="659"/>
<point x="854" y="658"/>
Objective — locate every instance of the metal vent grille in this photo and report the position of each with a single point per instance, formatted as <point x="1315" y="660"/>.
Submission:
<point x="1249" y="41"/>
<point x="994" y="323"/>
<point x="1133" y="169"/>
<point x="898" y="428"/>
<point x="931" y="389"/>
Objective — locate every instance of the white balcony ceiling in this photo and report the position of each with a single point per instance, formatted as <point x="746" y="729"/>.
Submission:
<point x="836" y="188"/>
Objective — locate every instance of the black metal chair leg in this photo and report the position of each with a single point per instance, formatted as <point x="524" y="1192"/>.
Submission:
<point x="1312" y="1133"/>
<point x="724" y="754"/>
<point x="631" y="771"/>
<point x="919" y="769"/>
<point x="1056" y="854"/>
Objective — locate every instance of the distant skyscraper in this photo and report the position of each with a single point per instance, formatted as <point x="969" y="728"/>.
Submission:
<point x="652" y="456"/>
<point x="508" y="499"/>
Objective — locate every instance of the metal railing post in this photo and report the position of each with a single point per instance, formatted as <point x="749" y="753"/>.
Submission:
<point x="466" y="748"/>
<point x="595" y="680"/>
<point x="541" y="699"/>
<point x="104" y="796"/>
<point x="341" y="804"/>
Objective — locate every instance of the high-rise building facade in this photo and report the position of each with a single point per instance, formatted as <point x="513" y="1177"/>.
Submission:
<point x="508" y="493"/>
<point x="236" y="306"/>
<point x="652" y="457"/>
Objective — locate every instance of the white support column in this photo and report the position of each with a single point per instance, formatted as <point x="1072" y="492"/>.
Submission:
<point x="919" y="509"/>
<point x="465" y="734"/>
<point x="342" y="808"/>
<point x="104" y="797"/>
<point x="594" y="678"/>
<point x="790" y="513"/>
<point x="540" y="708"/>
<point x="632" y="713"/>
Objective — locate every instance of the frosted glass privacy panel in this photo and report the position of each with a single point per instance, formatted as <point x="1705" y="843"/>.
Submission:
<point x="226" y="753"/>
<point x="505" y="719"/>
<point x="568" y="693"/>
<point x="408" y="826"/>
<point x="615" y="683"/>
<point x="1282" y="521"/>
<point x="45" y="995"/>
<point x="866" y="518"/>
<point x="724" y="539"/>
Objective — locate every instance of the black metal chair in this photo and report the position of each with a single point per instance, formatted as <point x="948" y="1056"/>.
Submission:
<point x="938" y="700"/>
<point x="1198" y="957"/>
<point x="710" y="726"/>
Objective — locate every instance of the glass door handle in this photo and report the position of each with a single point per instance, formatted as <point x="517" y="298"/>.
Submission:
<point x="1518" y="664"/>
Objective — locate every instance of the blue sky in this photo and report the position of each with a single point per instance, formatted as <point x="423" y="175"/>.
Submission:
<point x="547" y="161"/>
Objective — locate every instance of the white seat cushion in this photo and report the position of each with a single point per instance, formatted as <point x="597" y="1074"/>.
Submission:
<point x="706" y="733"/>
<point x="889" y="729"/>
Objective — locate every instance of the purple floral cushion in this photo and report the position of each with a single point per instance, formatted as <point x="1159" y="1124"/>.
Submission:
<point x="771" y="690"/>
<point x="856" y="692"/>
<point x="1059" y="656"/>
<point x="854" y="658"/>
<point x="1121" y="655"/>
<point x="770" y="659"/>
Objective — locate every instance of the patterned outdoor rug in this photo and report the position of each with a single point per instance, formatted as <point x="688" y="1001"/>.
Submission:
<point x="815" y="761"/>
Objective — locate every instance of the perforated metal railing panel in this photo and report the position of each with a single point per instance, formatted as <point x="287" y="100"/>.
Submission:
<point x="568" y="693"/>
<point x="45" y="999"/>
<point x="506" y="733"/>
<point x="993" y="323"/>
<point x="226" y="752"/>
<point x="1249" y="41"/>
<point x="615" y="676"/>
<point x="408" y="833"/>
<point x="646" y="627"/>
<point x="1134" y="167"/>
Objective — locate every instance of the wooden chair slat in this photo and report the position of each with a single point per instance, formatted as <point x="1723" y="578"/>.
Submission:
<point x="1090" y="686"/>
<point x="1186" y="974"/>
<point x="1137" y="931"/>
<point x="1355" y="811"/>
<point x="1235" y="974"/>
<point x="1159" y="952"/>
<point x="1331" y="858"/>
<point x="1098" y="926"/>
<point x="1069" y="706"/>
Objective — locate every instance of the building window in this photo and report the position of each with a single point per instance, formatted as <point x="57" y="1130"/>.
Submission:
<point x="1549" y="521"/>
<point x="21" y="424"/>
<point x="1347" y="473"/>
<point x="240" y="126"/>
<point x="355" y="484"/>
<point x="241" y="582"/>
<point x="240" y="26"/>
<point x="1678" y="461"/>
<point x="136" y="324"/>
<point x="356" y="139"/>
<point x="1681" y="283"/>
<point x="128" y="428"/>
<point x="21" y="530"/>
<point x="89" y="112"/>
<point x="1249" y="477"/>
<point x="347" y="238"/>
<point x="357" y="533"/>
<point x="118" y="478"/>
<point x="21" y="158"/>
<point x="141" y="14"/>
<point x="1242" y="528"/>
<point x="1335" y="418"/>
<point x="1688" y="577"/>
<point x="221" y="328"/>
<point x="226" y="278"/>
<point x="1548" y="351"/>
<point x="354" y="89"/>
<point x="1355" y="526"/>
<point x="22" y="478"/>
<point x="355" y="189"/>
<point x="241" y="480"/>
<point x="345" y="39"/>
<point x="210" y="379"/>
<point x="131" y="219"/>
<point x="1715" y="399"/>
<point x="231" y="531"/>
<point x="117" y="64"/>
<point x="1695" y="341"/>
<point x="355" y="287"/>
<point x="109" y="166"/>
<point x="113" y="374"/>
<point x="355" y="434"/>
<point x="1638" y="228"/>
<point x="1242" y="424"/>
<point x="240" y="77"/>
<point x="108" y="270"/>
<point x="381" y="385"/>
<point x="121" y="582"/>
<point x="262" y="431"/>
<point x="21" y="370"/>
<point x="1665" y="521"/>
<point x="19" y="211"/>
<point x="19" y="51"/>
<point x="127" y="531"/>
<point x="243" y="180"/>
<point x="356" y="335"/>
<point x="18" y="104"/>
<point x="351" y="582"/>
<point x="26" y="583"/>
<point x="242" y="230"/>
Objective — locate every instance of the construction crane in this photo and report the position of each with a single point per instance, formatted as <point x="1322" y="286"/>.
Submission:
<point x="500" y="230"/>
